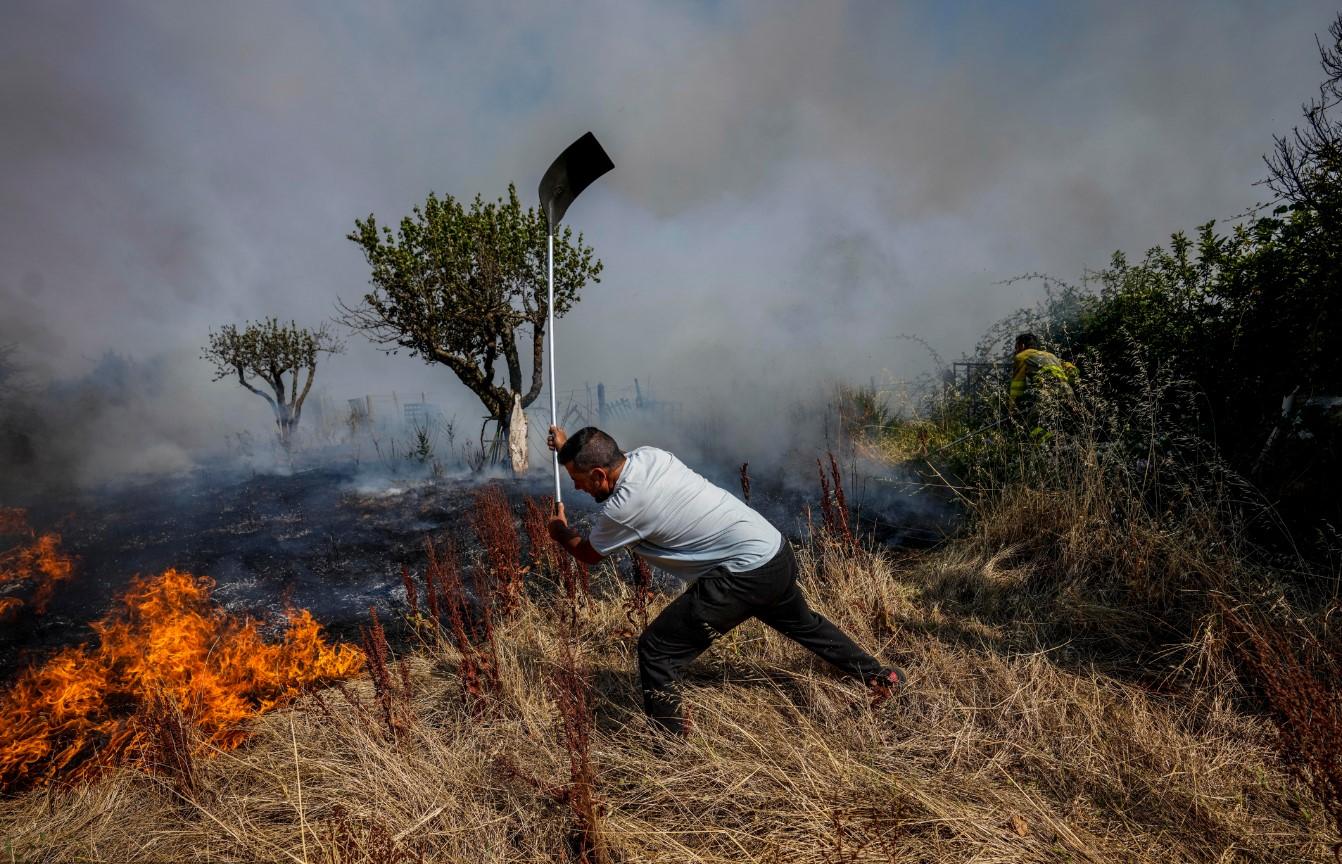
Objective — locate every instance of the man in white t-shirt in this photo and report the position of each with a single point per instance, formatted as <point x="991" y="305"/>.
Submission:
<point x="740" y="565"/>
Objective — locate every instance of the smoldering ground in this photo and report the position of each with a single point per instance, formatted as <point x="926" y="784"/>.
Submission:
<point x="329" y="527"/>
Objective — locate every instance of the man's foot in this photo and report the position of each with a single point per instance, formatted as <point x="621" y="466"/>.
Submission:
<point x="887" y="683"/>
<point x="666" y="742"/>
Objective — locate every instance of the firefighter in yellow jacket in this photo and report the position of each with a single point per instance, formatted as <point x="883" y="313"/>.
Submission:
<point x="1036" y="371"/>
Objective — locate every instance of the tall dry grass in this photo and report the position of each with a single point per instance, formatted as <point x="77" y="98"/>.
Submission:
<point x="1127" y="545"/>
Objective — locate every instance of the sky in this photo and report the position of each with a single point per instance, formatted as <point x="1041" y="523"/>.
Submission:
<point x="796" y="184"/>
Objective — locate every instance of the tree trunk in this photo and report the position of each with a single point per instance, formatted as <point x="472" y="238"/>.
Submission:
<point x="285" y="426"/>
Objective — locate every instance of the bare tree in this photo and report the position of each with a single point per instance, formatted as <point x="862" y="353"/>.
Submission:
<point x="462" y="285"/>
<point x="267" y="351"/>
<point x="1306" y="165"/>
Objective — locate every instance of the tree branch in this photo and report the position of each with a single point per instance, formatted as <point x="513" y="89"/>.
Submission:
<point x="243" y="381"/>
<point x="537" y="361"/>
<point x="514" y="365"/>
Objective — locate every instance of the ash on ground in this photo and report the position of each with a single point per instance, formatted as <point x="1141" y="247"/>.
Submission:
<point x="333" y="540"/>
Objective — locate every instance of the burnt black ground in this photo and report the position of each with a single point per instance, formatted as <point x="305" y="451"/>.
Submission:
<point x="329" y="539"/>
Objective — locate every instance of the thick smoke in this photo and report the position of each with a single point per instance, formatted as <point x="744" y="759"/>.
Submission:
<point x="795" y="185"/>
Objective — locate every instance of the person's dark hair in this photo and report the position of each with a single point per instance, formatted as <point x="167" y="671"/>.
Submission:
<point x="1027" y="340"/>
<point x="590" y="448"/>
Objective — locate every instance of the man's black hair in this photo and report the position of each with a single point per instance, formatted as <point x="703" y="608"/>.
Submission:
<point x="1027" y="340"/>
<point x="590" y="448"/>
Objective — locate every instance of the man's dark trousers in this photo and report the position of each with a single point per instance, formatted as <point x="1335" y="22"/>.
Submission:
<point x="718" y="601"/>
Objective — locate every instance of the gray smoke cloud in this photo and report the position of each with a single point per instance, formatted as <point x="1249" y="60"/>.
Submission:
<point x="795" y="183"/>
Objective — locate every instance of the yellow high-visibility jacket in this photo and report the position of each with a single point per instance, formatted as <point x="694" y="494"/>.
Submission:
<point x="1033" y="366"/>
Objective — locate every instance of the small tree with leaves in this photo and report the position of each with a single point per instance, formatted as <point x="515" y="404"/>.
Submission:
<point x="462" y="285"/>
<point x="276" y="355"/>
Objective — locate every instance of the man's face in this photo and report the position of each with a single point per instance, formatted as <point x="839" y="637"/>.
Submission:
<point x="594" y="481"/>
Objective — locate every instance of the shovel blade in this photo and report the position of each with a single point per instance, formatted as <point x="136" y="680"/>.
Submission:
<point x="567" y="176"/>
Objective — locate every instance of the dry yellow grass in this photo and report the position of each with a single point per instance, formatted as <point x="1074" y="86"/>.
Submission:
<point x="999" y="751"/>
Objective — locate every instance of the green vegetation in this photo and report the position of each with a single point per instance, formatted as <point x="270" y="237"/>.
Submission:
<point x="1221" y="329"/>
<point x="266" y="351"/>
<point x="461" y="285"/>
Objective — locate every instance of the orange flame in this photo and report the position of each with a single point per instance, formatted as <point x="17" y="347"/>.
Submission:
<point x="87" y="708"/>
<point x="39" y="561"/>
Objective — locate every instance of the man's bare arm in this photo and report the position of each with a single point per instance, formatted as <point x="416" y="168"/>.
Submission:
<point x="569" y="538"/>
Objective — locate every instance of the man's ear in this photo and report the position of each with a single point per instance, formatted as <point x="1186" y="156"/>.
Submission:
<point x="600" y="475"/>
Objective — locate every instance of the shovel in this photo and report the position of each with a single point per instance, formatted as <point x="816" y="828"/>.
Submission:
<point x="564" y="180"/>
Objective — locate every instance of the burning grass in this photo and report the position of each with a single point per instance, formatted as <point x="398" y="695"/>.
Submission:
<point x="165" y="656"/>
<point x="29" y="561"/>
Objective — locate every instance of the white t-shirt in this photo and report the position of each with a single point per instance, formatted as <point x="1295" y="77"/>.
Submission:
<point x="679" y="521"/>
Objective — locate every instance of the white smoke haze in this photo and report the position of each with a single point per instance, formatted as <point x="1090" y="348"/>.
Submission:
<point x="795" y="185"/>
